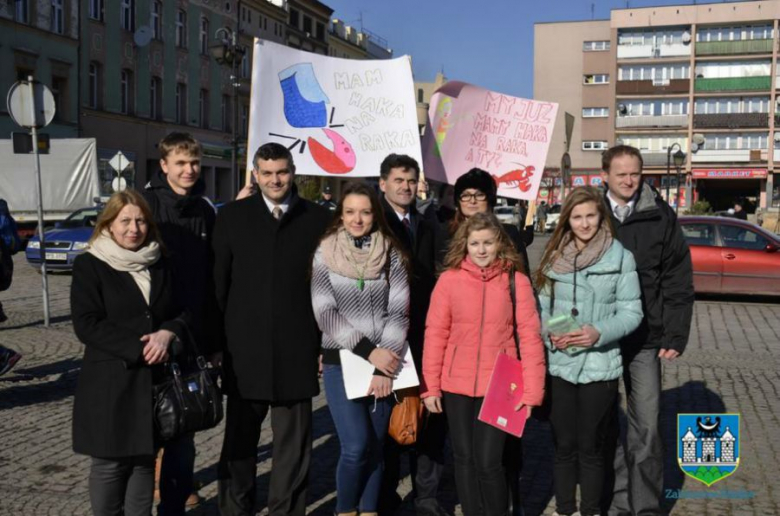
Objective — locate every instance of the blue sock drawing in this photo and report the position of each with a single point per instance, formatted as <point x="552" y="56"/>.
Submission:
<point x="304" y="100"/>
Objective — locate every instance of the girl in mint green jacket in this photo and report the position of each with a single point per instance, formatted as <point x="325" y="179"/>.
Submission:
<point x="590" y="299"/>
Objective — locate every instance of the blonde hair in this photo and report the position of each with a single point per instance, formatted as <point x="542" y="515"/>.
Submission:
<point x="563" y="234"/>
<point x="182" y="142"/>
<point x="458" y="248"/>
<point x="114" y="206"/>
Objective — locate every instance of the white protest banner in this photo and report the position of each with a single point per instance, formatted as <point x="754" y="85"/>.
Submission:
<point x="339" y="117"/>
<point x="505" y="136"/>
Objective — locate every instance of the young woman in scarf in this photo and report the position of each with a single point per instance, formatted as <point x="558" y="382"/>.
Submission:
<point x="590" y="299"/>
<point x="125" y="314"/>
<point x="360" y="297"/>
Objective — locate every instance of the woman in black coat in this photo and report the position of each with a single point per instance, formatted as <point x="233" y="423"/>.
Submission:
<point x="124" y="312"/>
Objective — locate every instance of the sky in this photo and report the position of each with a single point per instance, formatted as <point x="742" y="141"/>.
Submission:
<point x="485" y="42"/>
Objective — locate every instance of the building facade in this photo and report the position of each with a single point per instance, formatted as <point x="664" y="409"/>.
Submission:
<point x="703" y="77"/>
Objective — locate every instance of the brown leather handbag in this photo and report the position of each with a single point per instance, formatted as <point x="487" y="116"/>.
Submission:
<point x="405" y="419"/>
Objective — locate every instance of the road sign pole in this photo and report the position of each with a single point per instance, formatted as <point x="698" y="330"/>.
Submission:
<point x="39" y="188"/>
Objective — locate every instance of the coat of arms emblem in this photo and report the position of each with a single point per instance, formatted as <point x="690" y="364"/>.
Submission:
<point x="708" y="445"/>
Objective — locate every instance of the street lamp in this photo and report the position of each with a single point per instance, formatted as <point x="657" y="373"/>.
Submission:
<point x="228" y="52"/>
<point x="679" y="159"/>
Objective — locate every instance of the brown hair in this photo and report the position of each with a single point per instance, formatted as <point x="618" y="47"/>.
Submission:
<point x="620" y="150"/>
<point x="458" y="248"/>
<point x="380" y="222"/>
<point x="182" y="142"/>
<point x="562" y="234"/>
<point x="115" y="205"/>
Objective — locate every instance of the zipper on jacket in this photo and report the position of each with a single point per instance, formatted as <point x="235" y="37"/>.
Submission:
<point x="481" y="327"/>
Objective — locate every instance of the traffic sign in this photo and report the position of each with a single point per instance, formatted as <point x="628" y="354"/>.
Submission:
<point x="31" y="107"/>
<point x="118" y="184"/>
<point x="119" y="162"/>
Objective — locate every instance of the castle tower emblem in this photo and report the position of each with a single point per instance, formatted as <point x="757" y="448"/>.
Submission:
<point x="708" y="445"/>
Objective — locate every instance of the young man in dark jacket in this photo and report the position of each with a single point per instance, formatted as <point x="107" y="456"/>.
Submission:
<point x="186" y="222"/>
<point x="263" y="249"/>
<point x="647" y="227"/>
<point x="398" y="180"/>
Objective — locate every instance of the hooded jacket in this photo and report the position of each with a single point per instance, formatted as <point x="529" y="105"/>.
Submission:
<point x="608" y="298"/>
<point x="186" y="224"/>
<point x="663" y="260"/>
<point x="470" y="323"/>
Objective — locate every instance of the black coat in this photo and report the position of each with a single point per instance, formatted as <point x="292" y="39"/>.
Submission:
<point x="262" y="274"/>
<point x="663" y="261"/>
<point x="186" y="225"/>
<point x="424" y="253"/>
<point x="112" y="409"/>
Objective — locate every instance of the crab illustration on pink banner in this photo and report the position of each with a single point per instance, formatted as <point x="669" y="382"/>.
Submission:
<point x="472" y="127"/>
<point x="338" y="116"/>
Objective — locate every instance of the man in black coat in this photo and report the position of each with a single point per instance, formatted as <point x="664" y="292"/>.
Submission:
<point x="398" y="180"/>
<point x="263" y="248"/>
<point x="186" y="222"/>
<point x="647" y="227"/>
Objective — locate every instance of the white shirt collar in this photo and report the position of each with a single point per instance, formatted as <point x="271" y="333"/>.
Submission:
<point x="613" y="204"/>
<point x="284" y="205"/>
<point x="402" y="216"/>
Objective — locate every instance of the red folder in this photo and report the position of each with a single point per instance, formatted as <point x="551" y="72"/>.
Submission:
<point x="504" y="393"/>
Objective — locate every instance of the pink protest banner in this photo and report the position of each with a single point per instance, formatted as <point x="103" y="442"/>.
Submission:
<point x="474" y="127"/>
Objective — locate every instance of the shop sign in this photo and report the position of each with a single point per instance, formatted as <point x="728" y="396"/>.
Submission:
<point x="595" y="180"/>
<point x="728" y="173"/>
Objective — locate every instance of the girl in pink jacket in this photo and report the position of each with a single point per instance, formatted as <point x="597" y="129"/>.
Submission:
<point x="469" y="323"/>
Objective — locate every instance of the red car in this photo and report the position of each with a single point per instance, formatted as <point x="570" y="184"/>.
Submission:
<point x="731" y="256"/>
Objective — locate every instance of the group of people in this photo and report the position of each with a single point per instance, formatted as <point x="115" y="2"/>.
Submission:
<point x="276" y="289"/>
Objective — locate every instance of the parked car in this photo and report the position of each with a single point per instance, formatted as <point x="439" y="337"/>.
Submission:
<point x="553" y="214"/>
<point x="732" y="256"/>
<point x="506" y="214"/>
<point x="65" y="242"/>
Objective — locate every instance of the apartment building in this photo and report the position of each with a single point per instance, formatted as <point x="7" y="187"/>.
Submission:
<point x="702" y="78"/>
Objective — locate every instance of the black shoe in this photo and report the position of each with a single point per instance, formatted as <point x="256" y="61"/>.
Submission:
<point x="8" y="359"/>
<point x="429" y="507"/>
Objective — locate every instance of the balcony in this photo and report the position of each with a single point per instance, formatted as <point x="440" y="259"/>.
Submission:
<point x="652" y="121"/>
<point x="653" y="87"/>
<point x="733" y="84"/>
<point x="654" y="159"/>
<point x="731" y="120"/>
<point x="729" y="155"/>
<point x="749" y="46"/>
<point x="648" y="51"/>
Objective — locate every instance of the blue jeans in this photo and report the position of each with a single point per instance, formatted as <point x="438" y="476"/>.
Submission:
<point x="361" y="427"/>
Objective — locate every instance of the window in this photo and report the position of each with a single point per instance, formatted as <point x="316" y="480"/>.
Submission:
<point x="22" y="11"/>
<point x="94" y="85"/>
<point x="594" y="145"/>
<point x="638" y="108"/>
<point x="204" y="36"/>
<point x="155" y="99"/>
<point x="181" y="103"/>
<point x="265" y="23"/>
<point x="156" y="20"/>
<point x="225" y="108"/>
<point x="699" y="234"/>
<point x="742" y="238"/>
<point x="597" y="112"/>
<point x="244" y="119"/>
<point x="595" y="46"/>
<point x="181" y="29"/>
<point x="601" y="78"/>
<point x="420" y="95"/>
<point x="57" y="19"/>
<point x="244" y="71"/>
<point x="96" y="9"/>
<point x="754" y="141"/>
<point x="203" y="108"/>
<point x="320" y="31"/>
<point x="59" y="89"/>
<point x="127" y="15"/>
<point x="307" y="25"/>
<point x="294" y="18"/>
<point x="756" y="105"/>
<point x="126" y="92"/>
<point x="674" y="107"/>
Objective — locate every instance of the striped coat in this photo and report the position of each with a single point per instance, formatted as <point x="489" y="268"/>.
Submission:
<point x="360" y="320"/>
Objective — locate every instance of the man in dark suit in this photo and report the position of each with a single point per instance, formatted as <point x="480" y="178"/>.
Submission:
<point x="398" y="180"/>
<point x="263" y="247"/>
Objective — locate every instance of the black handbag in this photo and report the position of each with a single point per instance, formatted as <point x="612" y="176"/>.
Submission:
<point x="187" y="402"/>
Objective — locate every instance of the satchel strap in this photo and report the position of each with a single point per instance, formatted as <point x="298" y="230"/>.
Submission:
<point x="199" y="358"/>
<point x="513" y="297"/>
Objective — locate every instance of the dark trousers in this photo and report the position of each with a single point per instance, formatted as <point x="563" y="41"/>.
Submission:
<point x="638" y="466"/>
<point x="176" y="475"/>
<point x="580" y="418"/>
<point x="122" y="487"/>
<point x="426" y="465"/>
<point x="478" y="449"/>
<point x="292" y="440"/>
<point x="513" y="465"/>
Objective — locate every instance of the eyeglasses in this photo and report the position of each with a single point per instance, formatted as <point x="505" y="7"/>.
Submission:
<point x="466" y="197"/>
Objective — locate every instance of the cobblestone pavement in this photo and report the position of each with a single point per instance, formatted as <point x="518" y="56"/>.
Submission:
<point x="731" y="366"/>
